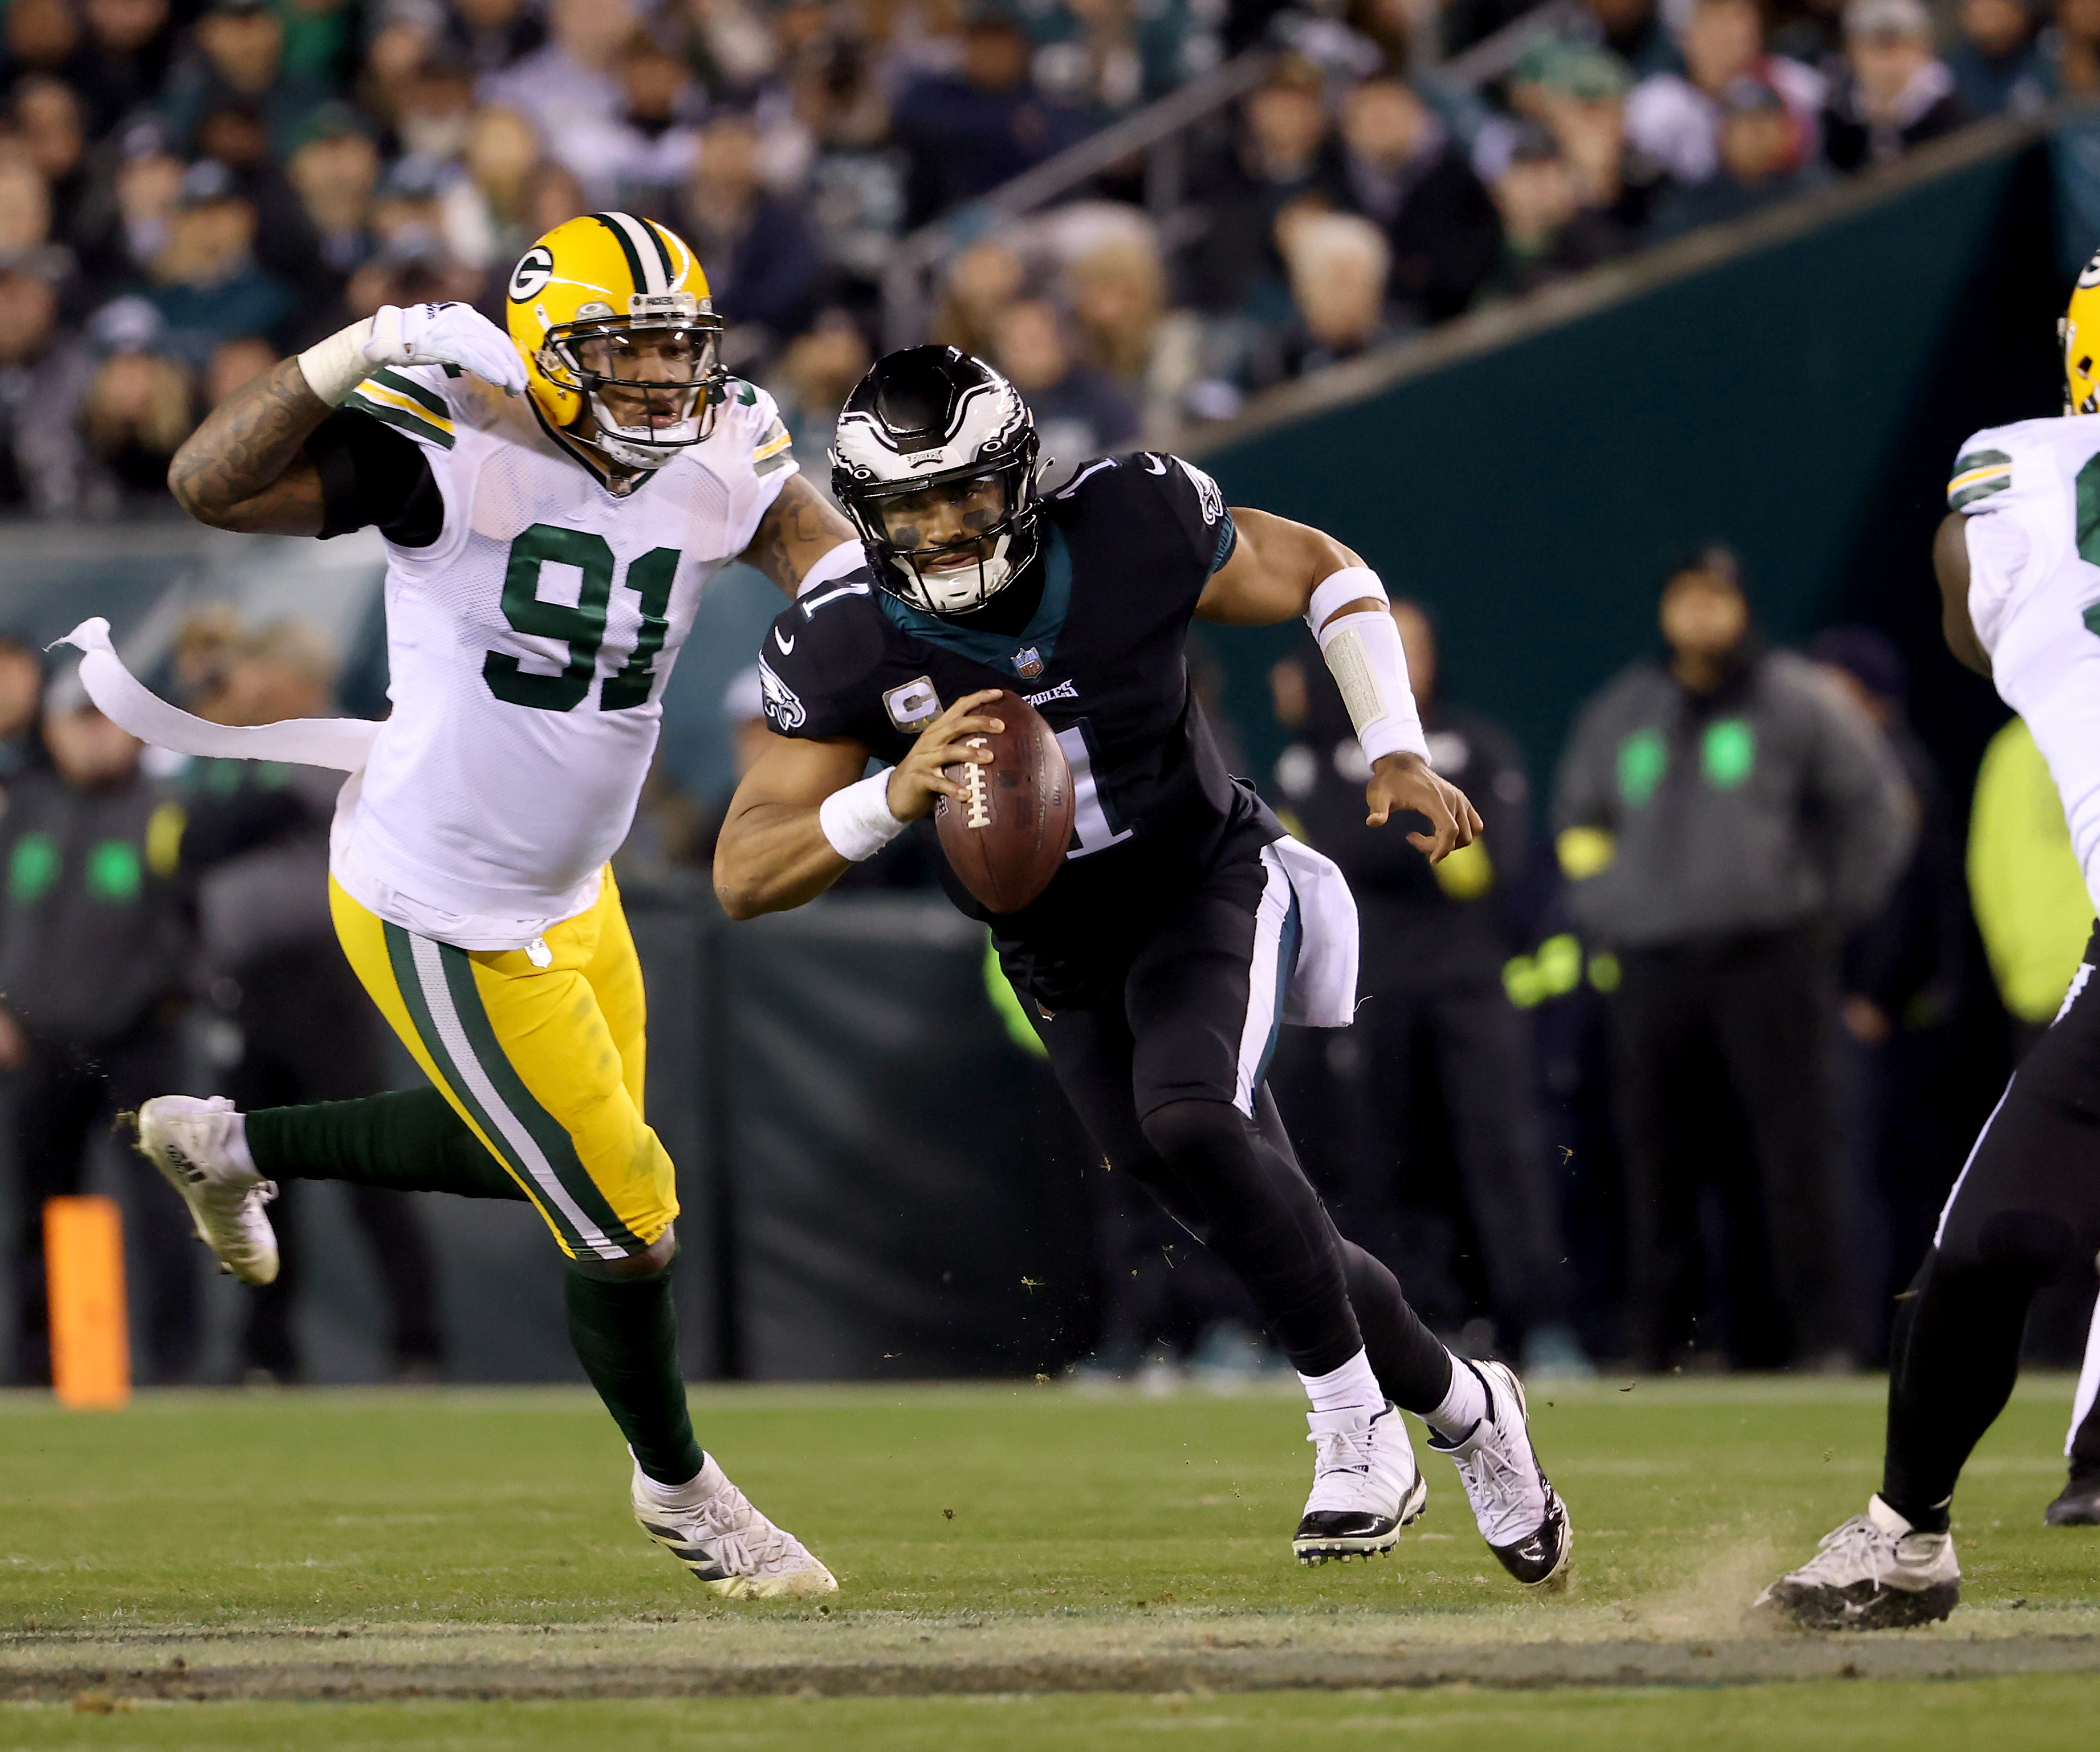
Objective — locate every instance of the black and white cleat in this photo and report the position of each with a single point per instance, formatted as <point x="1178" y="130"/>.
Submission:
<point x="1519" y="1512"/>
<point x="1366" y="1487"/>
<point x="1875" y="1573"/>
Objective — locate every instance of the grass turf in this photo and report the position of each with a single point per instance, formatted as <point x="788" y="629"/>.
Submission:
<point x="274" y="1512"/>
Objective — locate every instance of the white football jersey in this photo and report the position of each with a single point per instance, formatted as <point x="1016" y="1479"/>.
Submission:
<point x="529" y="645"/>
<point x="2032" y="492"/>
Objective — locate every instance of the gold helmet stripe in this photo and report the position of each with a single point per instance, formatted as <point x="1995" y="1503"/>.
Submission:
<point x="647" y="259"/>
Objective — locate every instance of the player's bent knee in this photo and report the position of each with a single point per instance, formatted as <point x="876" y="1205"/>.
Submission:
<point x="1184" y="1128"/>
<point x="2037" y="1243"/>
<point x="652" y="1261"/>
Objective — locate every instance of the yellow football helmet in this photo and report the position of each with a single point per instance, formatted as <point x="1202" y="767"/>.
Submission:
<point x="2079" y="330"/>
<point x="612" y="313"/>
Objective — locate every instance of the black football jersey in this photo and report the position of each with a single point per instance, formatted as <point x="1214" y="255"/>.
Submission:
<point x="1127" y="548"/>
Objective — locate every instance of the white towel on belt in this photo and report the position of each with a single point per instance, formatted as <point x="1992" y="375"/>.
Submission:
<point x="1322" y="992"/>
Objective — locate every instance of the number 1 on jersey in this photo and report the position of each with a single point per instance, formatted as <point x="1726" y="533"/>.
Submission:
<point x="1091" y="829"/>
<point x="581" y="628"/>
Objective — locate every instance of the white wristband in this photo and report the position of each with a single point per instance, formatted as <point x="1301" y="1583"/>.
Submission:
<point x="1369" y="666"/>
<point x="335" y="367"/>
<point x="847" y="556"/>
<point x="1352" y="583"/>
<point x="857" y="820"/>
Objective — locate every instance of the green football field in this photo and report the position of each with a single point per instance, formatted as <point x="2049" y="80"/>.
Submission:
<point x="1019" y="1566"/>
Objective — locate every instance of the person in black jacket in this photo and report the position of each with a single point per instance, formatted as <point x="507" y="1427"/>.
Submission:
<point x="1897" y="93"/>
<point x="1436" y="1029"/>
<point x="93" y="946"/>
<point x="1401" y="168"/>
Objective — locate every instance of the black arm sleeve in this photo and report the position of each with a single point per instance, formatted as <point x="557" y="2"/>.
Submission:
<point x="370" y="473"/>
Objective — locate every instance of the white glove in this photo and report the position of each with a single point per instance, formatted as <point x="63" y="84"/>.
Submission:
<point x="419" y="335"/>
<point x="445" y="335"/>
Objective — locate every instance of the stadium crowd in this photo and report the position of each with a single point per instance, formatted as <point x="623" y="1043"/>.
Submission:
<point x="190" y="189"/>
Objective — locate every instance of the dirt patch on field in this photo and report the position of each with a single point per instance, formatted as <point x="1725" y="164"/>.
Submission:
<point x="843" y="1655"/>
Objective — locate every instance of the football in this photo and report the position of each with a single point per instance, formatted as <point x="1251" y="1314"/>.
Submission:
<point x="1006" y="836"/>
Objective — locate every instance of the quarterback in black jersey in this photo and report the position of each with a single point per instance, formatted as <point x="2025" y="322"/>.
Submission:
<point x="1185" y="927"/>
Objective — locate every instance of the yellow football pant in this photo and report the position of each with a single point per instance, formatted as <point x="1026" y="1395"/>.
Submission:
<point x="544" y="1063"/>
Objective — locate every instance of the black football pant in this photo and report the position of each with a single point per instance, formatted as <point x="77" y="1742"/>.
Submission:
<point x="1759" y="1001"/>
<point x="66" y="1096"/>
<point x="2026" y="1210"/>
<point x="1167" y="1076"/>
<point x="308" y="1034"/>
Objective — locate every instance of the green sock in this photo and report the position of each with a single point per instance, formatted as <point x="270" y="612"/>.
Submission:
<point x="625" y="1332"/>
<point x="411" y="1141"/>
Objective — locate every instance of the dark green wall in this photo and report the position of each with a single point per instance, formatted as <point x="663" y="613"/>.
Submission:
<point x="1799" y="404"/>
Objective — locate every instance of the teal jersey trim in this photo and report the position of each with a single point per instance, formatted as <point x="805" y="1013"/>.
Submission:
<point x="997" y="651"/>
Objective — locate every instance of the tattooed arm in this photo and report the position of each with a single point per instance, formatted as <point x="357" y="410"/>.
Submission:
<point x="245" y="467"/>
<point x="802" y="526"/>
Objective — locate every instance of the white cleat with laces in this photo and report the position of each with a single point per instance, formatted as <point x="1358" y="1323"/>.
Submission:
<point x="1875" y="1573"/>
<point x="200" y="1147"/>
<point x="1520" y="1513"/>
<point x="710" y="1527"/>
<point x="1365" y="1486"/>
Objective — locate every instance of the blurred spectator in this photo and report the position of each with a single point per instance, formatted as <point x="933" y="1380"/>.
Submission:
<point x="1633" y="31"/>
<point x="123" y="61"/>
<point x="1997" y="67"/>
<point x="1105" y="56"/>
<point x="1547" y="230"/>
<point x="1079" y="412"/>
<point x="817" y="373"/>
<point x="1899" y="976"/>
<point x="1438" y="1051"/>
<point x="1721" y="813"/>
<point x="93" y="953"/>
<point x="1401" y="167"/>
<point x="1760" y="163"/>
<point x="571" y="85"/>
<point x="1896" y="93"/>
<point x="21" y="700"/>
<point x="856" y="184"/>
<point x="1338" y="265"/>
<point x="26" y="221"/>
<point x="492" y="34"/>
<point x="41" y="36"/>
<point x="979" y="283"/>
<point x="234" y="365"/>
<point x="1279" y="156"/>
<point x="235" y="59"/>
<point x="207" y="284"/>
<point x="760" y="254"/>
<point x="2025" y="883"/>
<point x="49" y="124"/>
<point x="291" y="1022"/>
<point x="1117" y="291"/>
<point x="964" y="134"/>
<point x="485" y="211"/>
<point x="44" y="378"/>
<point x="1578" y="94"/>
<point x="138" y="410"/>
<point x="1675" y="120"/>
<point x="435" y="109"/>
<point x="334" y="173"/>
<point x="125" y="218"/>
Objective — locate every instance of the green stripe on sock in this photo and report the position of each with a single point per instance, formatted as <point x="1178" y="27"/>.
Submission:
<point x="401" y="953"/>
<point x="548" y="1132"/>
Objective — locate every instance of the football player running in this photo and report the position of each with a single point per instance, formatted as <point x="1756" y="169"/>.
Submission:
<point x="2019" y="564"/>
<point x="553" y="501"/>
<point x="1184" y="925"/>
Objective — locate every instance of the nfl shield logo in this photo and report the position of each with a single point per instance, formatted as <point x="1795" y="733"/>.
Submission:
<point x="1028" y="661"/>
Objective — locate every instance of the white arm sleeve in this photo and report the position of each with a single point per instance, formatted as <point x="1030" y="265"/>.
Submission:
<point x="1364" y="653"/>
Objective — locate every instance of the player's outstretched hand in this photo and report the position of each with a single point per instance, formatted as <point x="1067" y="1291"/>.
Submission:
<point x="1407" y="782"/>
<point x="445" y="335"/>
<point x="917" y="779"/>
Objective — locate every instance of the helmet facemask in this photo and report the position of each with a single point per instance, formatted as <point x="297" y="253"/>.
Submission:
<point x="652" y="379"/>
<point x="949" y="544"/>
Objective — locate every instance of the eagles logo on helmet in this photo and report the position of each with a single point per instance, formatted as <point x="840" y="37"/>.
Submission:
<point x="935" y="464"/>
<point x="611" y="314"/>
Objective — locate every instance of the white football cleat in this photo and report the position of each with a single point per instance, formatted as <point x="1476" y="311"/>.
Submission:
<point x="1875" y="1573"/>
<point x="1365" y="1486"/>
<point x="197" y="1145"/>
<point x="1520" y="1515"/>
<point x="710" y="1527"/>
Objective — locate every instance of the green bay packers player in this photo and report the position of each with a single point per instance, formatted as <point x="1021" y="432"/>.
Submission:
<point x="2019" y="564"/>
<point x="552" y="503"/>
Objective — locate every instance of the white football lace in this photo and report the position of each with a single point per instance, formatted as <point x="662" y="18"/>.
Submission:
<point x="1341" y="1468"/>
<point x="756" y="1548"/>
<point x="1858" y="1549"/>
<point x="1503" y="1492"/>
